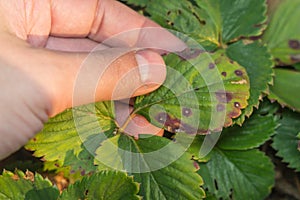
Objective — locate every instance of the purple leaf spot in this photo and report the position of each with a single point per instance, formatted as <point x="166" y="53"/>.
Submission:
<point x="161" y="117"/>
<point x="294" y="44"/>
<point x="187" y="112"/>
<point x="238" y="72"/>
<point x="211" y="65"/>
<point x="223" y="97"/>
<point x="224" y="74"/>
<point x="237" y="104"/>
<point x="189" y="53"/>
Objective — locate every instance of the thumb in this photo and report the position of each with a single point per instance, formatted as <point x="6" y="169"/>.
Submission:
<point x="117" y="74"/>
<point x="72" y="79"/>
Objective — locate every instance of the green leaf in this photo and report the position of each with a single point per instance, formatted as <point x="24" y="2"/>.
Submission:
<point x="26" y="186"/>
<point x="236" y="18"/>
<point x="254" y="132"/>
<point x="238" y="174"/>
<point x="286" y="140"/>
<point x="213" y="22"/>
<point x="286" y="88"/>
<point x="283" y="33"/>
<point x="233" y="169"/>
<point x="163" y="168"/>
<point x="257" y="61"/>
<point x="72" y="131"/>
<point x="185" y="17"/>
<point x="212" y="91"/>
<point x="103" y="185"/>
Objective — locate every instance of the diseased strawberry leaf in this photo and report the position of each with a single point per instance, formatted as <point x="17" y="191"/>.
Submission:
<point x="200" y="95"/>
<point x="258" y="64"/>
<point x="283" y="33"/>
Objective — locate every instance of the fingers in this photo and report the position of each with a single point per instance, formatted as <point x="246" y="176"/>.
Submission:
<point x="110" y="22"/>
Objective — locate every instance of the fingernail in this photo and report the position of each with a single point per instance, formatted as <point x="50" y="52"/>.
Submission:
<point x="143" y="67"/>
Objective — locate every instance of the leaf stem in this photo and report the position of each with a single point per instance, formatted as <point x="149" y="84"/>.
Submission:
<point x="131" y="116"/>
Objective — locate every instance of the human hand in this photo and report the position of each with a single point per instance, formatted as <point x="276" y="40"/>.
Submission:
<point x="46" y="67"/>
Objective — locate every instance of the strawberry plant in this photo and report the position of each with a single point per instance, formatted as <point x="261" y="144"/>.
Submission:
<point x="231" y="92"/>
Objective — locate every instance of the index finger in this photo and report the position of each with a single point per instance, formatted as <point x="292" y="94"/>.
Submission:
<point x="112" y="22"/>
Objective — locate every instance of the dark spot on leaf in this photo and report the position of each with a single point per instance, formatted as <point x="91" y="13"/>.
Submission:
<point x="72" y="172"/>
<point x="238" y="72"/>
<point x="294" y="44"/>
<point x="161" y="117"/>
<point x="203" y="22"/>
<point x="223" y="97"/>
<point x="237" y="104"/>
<point x="82" y="172"/>
<point x="179" y="12"/>
<point x="211" y="65"/>
<point x="216" y="184"/>
<point x="295" y="58"/>
<point x="189" y="53"/>
<point x="56" y="165"/>
<point x="170" y="22"/>
<point x="188" y="129"/>
<point x="196" y="165"/>
<point x="169" y="12"/>
<point x="187" y="112"/>
<point x="197" y="89"/>
<point x="220" y="107"/>
<point x="86" y="192"/>
<point x="224" y="74"/>
<point x="34" y="139"/>
<point x="233" y="114"/>
<point x="231" y="61"/>
<point x="203" y="131"/>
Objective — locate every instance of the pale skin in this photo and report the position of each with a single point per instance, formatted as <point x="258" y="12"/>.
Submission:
<point x="44" y="44"/>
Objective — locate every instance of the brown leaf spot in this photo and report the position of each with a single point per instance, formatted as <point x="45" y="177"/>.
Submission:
<point x="29" y="176"/>
<point x="187" y="112"/>
<point x="233" y="114"/>
<point x="211" y="66"/>
<point x="295" y="58"/>
<point x="161" y="117"/>
<point x="238" y="72"/>
<point x="294" y="44"/>
<point x="196" y="165"/>
<point x="224" y="74"/>
<point x="237" y="104"/>
<point x="189" y="53"/>
<point x="223" y="97"/>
